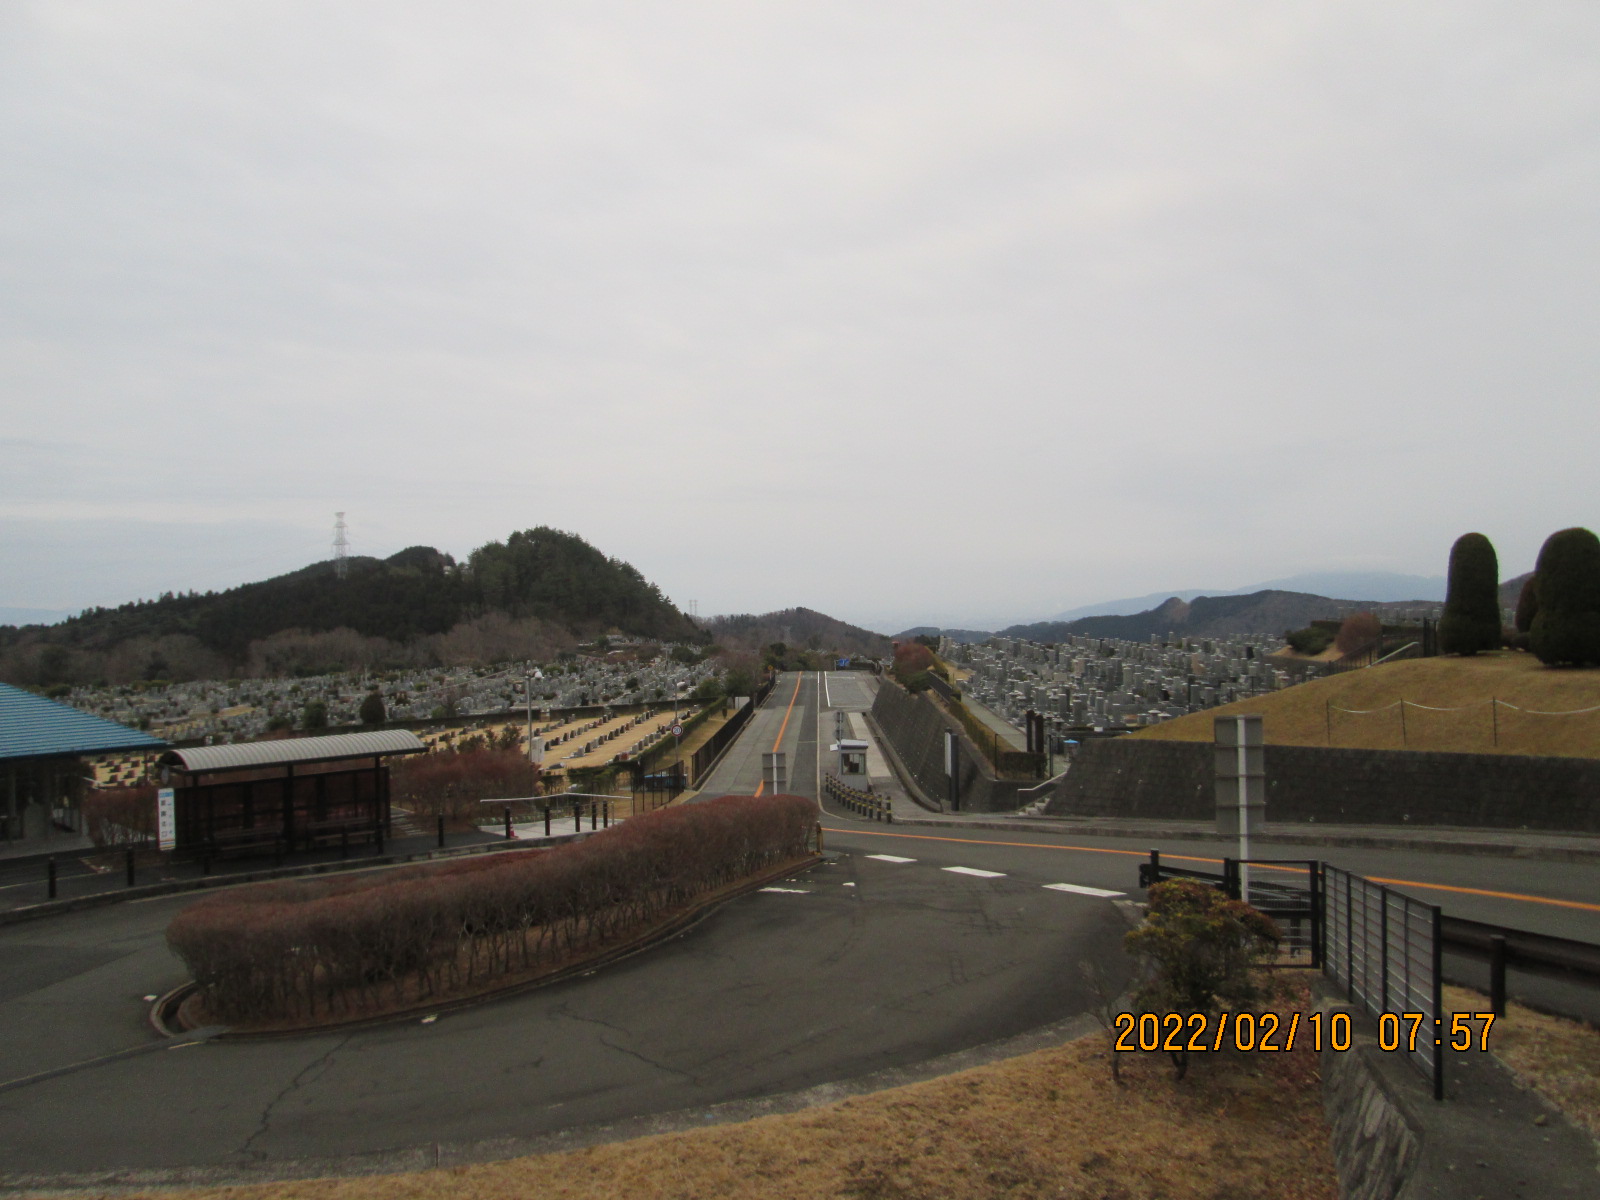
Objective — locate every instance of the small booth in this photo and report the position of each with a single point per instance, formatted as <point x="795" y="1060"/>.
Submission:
<point x="282" y="796"/>
<point x="852" y="762"/>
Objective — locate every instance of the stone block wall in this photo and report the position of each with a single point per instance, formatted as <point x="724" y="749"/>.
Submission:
<point x="1128" y="777"/>
<point x="916" y="729"/>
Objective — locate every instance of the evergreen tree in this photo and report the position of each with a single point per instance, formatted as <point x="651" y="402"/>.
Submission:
<point x="372" y="710"/>
<point x="314" y="715"/>
<point x="1471" y="619"/>
<point x="1566" y="629"/>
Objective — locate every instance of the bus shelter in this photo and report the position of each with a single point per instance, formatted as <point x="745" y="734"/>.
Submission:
<point x="283" y="796"/>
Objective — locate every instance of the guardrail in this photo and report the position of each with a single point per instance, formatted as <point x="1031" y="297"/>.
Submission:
<point x="866" y="804"/>
<point x="1535" y="953"/>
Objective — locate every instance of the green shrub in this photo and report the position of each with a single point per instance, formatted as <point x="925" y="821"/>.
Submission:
<point x="1471" y="621"/>
<point x="1527" y="604"/>
<point x="1310" y="640"/>
<point x="1566" y="628"/>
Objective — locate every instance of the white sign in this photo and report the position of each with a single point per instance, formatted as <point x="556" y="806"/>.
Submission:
<point x="167" y="818"/>
<point x="536" y="751"/>
<point x="677" y="731"/>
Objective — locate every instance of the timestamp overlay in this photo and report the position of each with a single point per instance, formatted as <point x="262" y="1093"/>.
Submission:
<point x="1283" y="1031"/>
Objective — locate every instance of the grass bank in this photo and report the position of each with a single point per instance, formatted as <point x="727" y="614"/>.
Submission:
<point x="1361" y="709"/>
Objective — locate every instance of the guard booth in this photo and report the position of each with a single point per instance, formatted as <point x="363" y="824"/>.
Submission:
<point x="282" y="796"/>
<point x="852" y="762"/>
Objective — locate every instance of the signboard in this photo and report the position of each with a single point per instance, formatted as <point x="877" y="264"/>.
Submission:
<point x="167" y="818"/>
<point x="775" y="770"/>
<point x="536" y="751"/>
<point x="844" y="664"/>
<point x="677" y="731"/>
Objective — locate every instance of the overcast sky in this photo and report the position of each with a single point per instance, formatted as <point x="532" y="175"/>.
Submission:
<point x="939" y="311"/>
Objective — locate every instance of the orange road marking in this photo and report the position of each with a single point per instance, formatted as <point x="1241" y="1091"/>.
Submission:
<point x="1437" y="887"/>
<point x="1470" y="891"/>
<point x="798" y="679"/>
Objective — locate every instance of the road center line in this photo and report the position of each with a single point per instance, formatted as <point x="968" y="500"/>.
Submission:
<point x="1145" y="854"/>
<point x="798" y="679"/>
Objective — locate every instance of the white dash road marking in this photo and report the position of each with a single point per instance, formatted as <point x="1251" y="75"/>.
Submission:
<point x="890" y="858"/>
<point x="975" y="871"/>
<point x="791" y="891"/>
<point x="1080" y="890"/>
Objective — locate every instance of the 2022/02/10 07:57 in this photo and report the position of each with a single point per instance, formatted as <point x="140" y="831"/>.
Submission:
<point x="1272" y="1031"/>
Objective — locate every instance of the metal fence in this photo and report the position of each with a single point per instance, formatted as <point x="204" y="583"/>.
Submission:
<point x="1383" y="948"/>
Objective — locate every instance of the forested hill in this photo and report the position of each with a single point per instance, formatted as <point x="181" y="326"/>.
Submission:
<point x="800" y="629"/>
<point x="539" y="577"/>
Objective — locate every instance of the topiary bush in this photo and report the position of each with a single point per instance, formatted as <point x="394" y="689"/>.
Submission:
<point x="1471" y="621"/>
<point x="1566" y="628"/>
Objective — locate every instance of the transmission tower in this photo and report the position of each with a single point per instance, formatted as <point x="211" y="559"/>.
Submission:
<point x="341" y="547"/>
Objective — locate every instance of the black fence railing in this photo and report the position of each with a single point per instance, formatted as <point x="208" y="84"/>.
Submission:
<point x="1287" y="890"/>
<point x="865" y="804"/>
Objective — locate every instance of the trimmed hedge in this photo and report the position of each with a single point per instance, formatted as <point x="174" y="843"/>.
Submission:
<point x="1566" y="627"/>
<point x="1471" y="621"/>
<point x="296" y="951"/>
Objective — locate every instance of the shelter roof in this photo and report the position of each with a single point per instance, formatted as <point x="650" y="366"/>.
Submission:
<point x="33" y="727"/>
<point x="252" y="755"/>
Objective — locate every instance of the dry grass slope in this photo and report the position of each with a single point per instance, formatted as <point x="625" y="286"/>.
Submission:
<point x="1300" y="716"/>
<point x="1046" y="1124"/>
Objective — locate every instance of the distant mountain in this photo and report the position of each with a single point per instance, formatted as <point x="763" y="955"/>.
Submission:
<point x="539" y="587"/>
<point x="1376" y="586"/>
<point x="797" y="628"/>
<point x="1268" y="611"/>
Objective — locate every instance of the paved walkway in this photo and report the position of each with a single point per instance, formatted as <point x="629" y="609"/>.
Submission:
<point x="1007" y="731"/>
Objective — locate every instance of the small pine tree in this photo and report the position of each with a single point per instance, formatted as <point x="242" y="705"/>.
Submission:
<point x="314" y="715"/>
<point x="372" y="710"/>
<point x="1566" y="629"/>
<point x="1471" y="621"/>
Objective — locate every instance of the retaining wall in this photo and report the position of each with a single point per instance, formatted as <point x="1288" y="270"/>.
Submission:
<point x="1133" y="777"/>
<point x="916" y="728"/>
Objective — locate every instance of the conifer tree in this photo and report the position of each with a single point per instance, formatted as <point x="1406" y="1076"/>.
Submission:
<point x="1566" y="629"/>
<point x="1471" y="619"/>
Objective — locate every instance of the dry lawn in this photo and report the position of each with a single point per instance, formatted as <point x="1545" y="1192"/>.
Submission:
<point x="1300" y="715"/>
<point x="1558" y="1057"/>
<point x="1048" y="1124"/>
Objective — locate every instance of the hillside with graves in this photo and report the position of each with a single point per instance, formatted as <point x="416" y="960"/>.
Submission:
<point x="530" y="597"/>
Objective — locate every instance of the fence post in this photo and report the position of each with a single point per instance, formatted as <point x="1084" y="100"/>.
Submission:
<point x="129" y="853"/>
<point x="508" y="822"/>
<point x="1497" y="975"/>
<point x="50" y="874"/>
<point x="577" y="816"/>
<point x="547" y="820"/>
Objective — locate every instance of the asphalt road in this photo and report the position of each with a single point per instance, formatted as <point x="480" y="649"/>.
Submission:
<point x="867" y="964"/>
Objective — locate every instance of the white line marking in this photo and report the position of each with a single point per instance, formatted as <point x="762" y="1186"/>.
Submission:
<point x="975" y="871"/>
<point x="1080" y="890"/>
<point x="847" y="885"/>
<point x="792" y="891"/>
<point x="890" y="858"/>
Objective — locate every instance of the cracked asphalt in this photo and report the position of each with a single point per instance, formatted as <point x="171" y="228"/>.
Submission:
<point x="772" y="993"/>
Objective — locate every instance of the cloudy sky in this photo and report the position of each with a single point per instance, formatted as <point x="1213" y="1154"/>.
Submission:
<point x="938" y="311"/>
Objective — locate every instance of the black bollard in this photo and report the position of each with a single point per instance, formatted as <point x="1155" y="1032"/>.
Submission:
<point x="508" y="822"/>
<point x="594" y="816"/>
<point x="605" y="815"/>
<point x="547" y="820"/>
<point x="577" y="818"/>
<point x="441" y="831"/>
<point x="50" y="874"/>
<point x="130" y="865"/>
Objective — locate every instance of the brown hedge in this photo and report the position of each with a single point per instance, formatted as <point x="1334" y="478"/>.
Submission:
<point x="296" y="951"/>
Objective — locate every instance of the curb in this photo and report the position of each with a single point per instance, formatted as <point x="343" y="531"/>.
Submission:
<point x="164" y="1013"/>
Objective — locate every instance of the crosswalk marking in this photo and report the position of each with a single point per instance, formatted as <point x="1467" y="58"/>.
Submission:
<point x="795" y="891"/>
<point x="975" y="871"/>
<point x="891" y="858"/>
<point x="1080" y="890"/>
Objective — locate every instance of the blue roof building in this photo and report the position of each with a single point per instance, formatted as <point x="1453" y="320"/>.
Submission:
<point x="38" y="738"/>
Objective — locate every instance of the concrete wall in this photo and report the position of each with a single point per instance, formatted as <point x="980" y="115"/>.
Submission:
<point x="1130" y="777"/>
<point x="915" y="728"/>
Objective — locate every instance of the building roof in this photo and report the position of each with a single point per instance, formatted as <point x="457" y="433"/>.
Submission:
<point x="251" y="755"/>
<point x="33" y="727"/>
